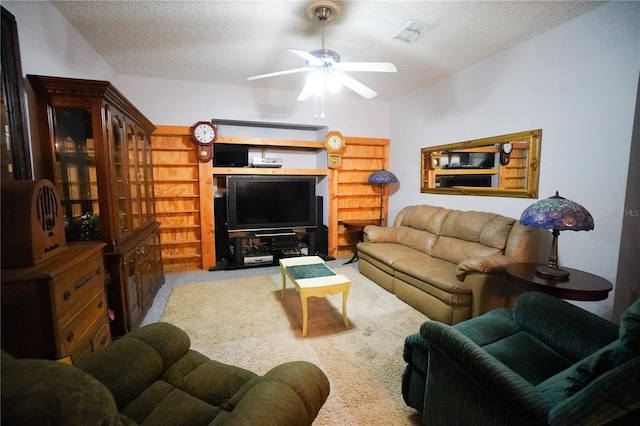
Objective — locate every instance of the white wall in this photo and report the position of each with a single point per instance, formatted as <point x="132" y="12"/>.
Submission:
<point x="170" y="102"/>
<point x="577" y="83"/>
<point x="49" y="45"/>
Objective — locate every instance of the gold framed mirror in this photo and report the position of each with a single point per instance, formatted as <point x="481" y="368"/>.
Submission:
<point x="502" y="166"/>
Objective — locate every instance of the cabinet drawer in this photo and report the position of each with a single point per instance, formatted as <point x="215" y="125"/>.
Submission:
<point x="76" y="332"/>
<point x="77" y="287"/>
<point x="102" y="338"/>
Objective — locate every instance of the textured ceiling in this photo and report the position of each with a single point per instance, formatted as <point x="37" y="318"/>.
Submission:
<point x="225" y="42"/>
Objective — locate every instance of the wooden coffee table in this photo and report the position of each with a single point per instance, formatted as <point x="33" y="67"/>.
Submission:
<point x="579" y="286"/>
<point x="312" y="278"/>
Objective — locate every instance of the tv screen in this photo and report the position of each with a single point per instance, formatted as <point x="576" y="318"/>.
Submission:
<point x="256" y="203"/>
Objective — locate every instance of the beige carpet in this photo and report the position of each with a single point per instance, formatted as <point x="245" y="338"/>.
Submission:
<point x="244" y="322"/>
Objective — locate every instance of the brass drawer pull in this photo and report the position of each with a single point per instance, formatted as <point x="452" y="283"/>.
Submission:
<point x="70" y="337"/>
<point x="83" y="281"/>
<point x="100" y="304"/>
<point x="66" y="295"/>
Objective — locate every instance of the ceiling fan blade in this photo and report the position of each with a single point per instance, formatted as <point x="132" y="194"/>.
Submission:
<point x="358" y="87"/>
<point x="273" y="74"/>
<point x="307" y="91"/>
<point x="312" y="60"/>
<point x="366" y="66"/>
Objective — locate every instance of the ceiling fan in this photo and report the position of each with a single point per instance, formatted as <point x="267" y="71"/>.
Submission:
<point x="324" y="66"/>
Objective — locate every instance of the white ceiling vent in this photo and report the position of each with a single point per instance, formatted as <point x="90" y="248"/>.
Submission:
<point x="412" y="30"/>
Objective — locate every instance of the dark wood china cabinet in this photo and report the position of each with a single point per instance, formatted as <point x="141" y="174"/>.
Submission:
<point x="96" y="148"/>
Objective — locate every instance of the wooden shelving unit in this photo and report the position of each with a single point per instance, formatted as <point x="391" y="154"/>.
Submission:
<point x="184" y="191"/>
<point x="177" y="187"/>
<point x="351" y="195"/>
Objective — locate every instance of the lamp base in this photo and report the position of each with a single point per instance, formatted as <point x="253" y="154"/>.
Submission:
<point x="553" y="273"/>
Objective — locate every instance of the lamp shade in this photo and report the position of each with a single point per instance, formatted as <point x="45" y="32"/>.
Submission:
<point x="557" y="213"/>
<point x="382" y="177"/>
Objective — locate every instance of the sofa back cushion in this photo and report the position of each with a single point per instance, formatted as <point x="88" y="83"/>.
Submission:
<point x="131" y="364"/>
<point x="455" y="251"/>
<point x="630" y="326"/>
<point x="472" y="234"/>
<point x="425" y="218"/>
<point x="416" y="239"/>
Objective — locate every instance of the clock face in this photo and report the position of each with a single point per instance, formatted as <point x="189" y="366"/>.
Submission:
<point x="335" y="142"/>
<point x="507" y="147"/>
<point x="204" y="133"/>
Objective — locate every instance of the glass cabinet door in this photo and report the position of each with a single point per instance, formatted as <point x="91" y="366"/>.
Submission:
<point x="148" y="163"/>
<point x="76" y="177"/>
<point x="134" y="178"/>
<point x="142" y="182"/>
<point x="120" y="171"/>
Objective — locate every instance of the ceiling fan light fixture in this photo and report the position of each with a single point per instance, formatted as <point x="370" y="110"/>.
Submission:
<point x="411" y="31"/>
<point x="334" y="81"/>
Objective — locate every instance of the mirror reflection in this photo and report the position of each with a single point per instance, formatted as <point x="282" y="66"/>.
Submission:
<point x="506" y="166"/>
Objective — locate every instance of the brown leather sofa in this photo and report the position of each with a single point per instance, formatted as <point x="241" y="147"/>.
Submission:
<point x="449" y="264"/>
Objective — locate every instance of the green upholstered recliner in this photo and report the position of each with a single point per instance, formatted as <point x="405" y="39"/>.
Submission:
<point x="151" y="377"/>
<point x="545" y="361"/>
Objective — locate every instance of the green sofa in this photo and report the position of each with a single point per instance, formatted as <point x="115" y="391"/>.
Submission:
<point x="545" y="361"/>
<point x="151" y="377"/>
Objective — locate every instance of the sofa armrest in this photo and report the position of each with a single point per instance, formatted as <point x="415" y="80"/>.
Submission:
<point x="465" y="382"/>
<point x="379" y="234"/>
<point x="488" y="265"/>
<point x="289" y="394"/>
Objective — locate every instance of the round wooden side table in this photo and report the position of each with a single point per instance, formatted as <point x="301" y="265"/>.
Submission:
<point x="356" y="226"/>
<point x="580" y="285"/>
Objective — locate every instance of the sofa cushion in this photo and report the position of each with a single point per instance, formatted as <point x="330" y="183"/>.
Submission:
<point x="489" y="229"/>
<point x="427" y="218"/>
<point x="126" y="367"/>
<point x="432" y="273"/>
<point x="390" y="253"/>
<point x="420" y="240"/>
<point x="162" y="403"/>
<point x="579" y="335"/>
<point x="455" y="251"/>
<point x="595" y="365"/>
<point x="209" y="380"/>
<point x="611" y="398"/>
<point x="630" y="326"/>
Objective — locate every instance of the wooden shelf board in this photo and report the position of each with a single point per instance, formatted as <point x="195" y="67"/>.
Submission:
<point x="175" y="165"/>
<point x="174" y="180"/>
<point x="167" y="227"/>
<point x="267" y="171"/>
<point x="180" y="242"/>
<point x="180" y="256"/>
<point x="178" y="212"/>
<point x="455" y="172"/>
<point x="164" y="197"/>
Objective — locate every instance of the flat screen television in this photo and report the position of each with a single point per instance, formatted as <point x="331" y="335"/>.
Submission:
<point x="270" y="203"/>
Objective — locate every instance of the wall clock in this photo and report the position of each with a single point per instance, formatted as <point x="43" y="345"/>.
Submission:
<point x="505" y="153"/>
<point x="334" y="142"/>
<point x="204" y="134"/>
